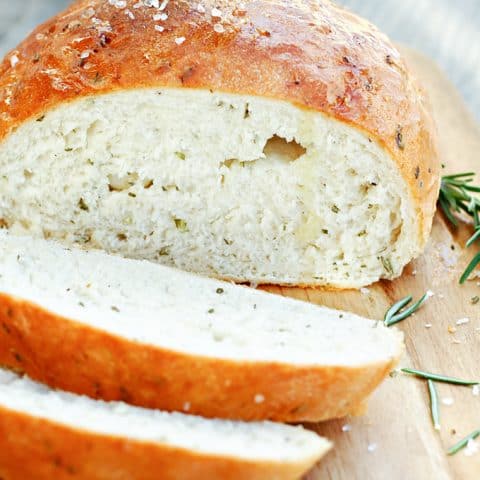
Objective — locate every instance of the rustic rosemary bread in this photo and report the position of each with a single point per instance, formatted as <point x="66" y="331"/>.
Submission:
<point x="45" y="435"/>
<point x="132" y="330"/>
<point x="267" y="141"/>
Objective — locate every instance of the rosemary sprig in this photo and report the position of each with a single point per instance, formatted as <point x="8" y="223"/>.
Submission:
<point x="434" y="404"/>
<point x="463" y="442"/>
<point x="456" y="197"/>
<point x="395" y="313"/>
<point x="438" y="378"/>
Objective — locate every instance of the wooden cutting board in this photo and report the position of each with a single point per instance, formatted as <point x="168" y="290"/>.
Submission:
<point x="396" y="440"/>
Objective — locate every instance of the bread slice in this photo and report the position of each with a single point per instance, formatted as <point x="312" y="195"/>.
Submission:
<point x="132" y="330"/>
<point x="280" y="142"/>
<point x="46" y="434"/>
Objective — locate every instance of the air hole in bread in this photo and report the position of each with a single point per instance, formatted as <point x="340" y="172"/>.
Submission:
<point x="283" y="149"/>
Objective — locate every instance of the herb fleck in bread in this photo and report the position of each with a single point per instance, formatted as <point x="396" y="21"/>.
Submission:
<point x="276" y="142"/>
<point x="131" y="330"/>
<point x="46" y="434"/>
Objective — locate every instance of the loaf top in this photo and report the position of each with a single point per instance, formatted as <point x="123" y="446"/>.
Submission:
<point x="311" y="53"/>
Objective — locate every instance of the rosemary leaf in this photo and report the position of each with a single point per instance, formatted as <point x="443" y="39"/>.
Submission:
<point x="387" y="265"/>
<point x="447" y="211"/>
<point x="473" y="238"/>
<point x="396" y="307"/>
<point x="471" y="267"/>
<point x="458" y="175"/>
<point x="392" y="317"/>
<point x="438" y="378"/>
<point x="463" y="442"/>
<point x="434" y="404"/>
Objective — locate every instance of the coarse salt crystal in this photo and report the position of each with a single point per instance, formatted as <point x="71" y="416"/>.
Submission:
<point x="218" y="27"/>
<point x="372" y="447"/>
<point x="159" y="28"/>
<point x="14" y="60"/>
<point x="429" y="294"/>
<point x="164" y="4"/>
<point x="216" y="12"/>
<point x="160" y="16"/>
<point x="138" y="5"/>
<point x="462" y="321"/>
<point x="118" y="3"/>
<point x="186" y="406"/>
<point x="179" y="40"/>
<point x="346" y="427"/>
<point x="129" y="14"/>
<point x="259" y="398"/>
<point x="102" y="26"/>
<point x="200" y="8"/>
<point x="476" y="390"/>
<point x="85" y="54"/>
<point x="472" y="448"/>
<point x="428" y="325"/>
<point x="414" y="272"/>
<point x="365" y="291"/>
<point x="152" y="3"/>
<point x="448" y="401"/>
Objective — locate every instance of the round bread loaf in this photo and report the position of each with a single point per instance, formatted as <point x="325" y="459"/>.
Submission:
<point x="268" y="141"/>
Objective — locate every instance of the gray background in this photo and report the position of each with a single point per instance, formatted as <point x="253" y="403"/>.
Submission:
<point x="446" y="30"/>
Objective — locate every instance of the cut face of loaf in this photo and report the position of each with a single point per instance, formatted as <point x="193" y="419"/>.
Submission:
<point x="282" y="142"/>
<point x="225" y="185"/>
<point x="122" y="329"/>
<point x="46" y="434"/>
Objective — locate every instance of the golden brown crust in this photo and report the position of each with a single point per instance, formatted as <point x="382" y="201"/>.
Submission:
<point x="308" y="52"/>
<point x="78" y="358"/>
<point x="38" y="449"/>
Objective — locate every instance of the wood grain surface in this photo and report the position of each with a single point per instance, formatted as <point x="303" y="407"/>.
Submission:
<point x="396" y="439"/>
